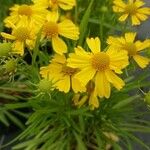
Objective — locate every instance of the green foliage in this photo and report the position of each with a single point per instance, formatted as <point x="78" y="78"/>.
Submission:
<point x="57" y="124"/>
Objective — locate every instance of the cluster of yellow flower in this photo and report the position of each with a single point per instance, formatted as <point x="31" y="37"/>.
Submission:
<point x="89" y="72"/>
<point x="27" y="20"/>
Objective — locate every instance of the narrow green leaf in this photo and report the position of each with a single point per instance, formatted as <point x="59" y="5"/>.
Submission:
<point x="84" y="23"/>
<point x="99" y="141"/>
<point x="81" y="145"/>
<point x="16" y="105"/>
<point x="82" y="123"/>
<point x="25" y="115"/>
<point x="9" y="97"/>
<point x="24" y="144"/>
<point x="15" y="120"/>
<point x="16" y="89"/>
<point x="125" y="102"/>
<point x="129" y="129"/>
<point x="135" y="127"/>
<point x="3" y="119"/>
<point x="128" y="142"/>
<point x="138" y="141"/>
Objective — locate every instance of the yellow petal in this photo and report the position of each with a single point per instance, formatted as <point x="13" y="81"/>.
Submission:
<point x="139" y="3"/>
<point x="130" y="37"/>
<point x="118" y="9"/>
<point x="63" y="84"/>
<point x="141" y="17"/>
<point x="59" y="45"/>
<point x="77" y="86"/>
<point x="142" y="45"/>
<point x="123" y="17"/>
<point x="114" y="79"/>
<point x="102" y="85"/>
<point x="94" y="44"/>
<point x="18" y="48"/>
<point x="11" y="20"/>
<point x="93" y="101"/>
<point x="85" y="75"/>
<point x="30" y="44"/>
<point x="59" y="59"/>
<point x="7" y="36"/>
<point x="116" y="42"/>
<point x="76" y="61"/>
<point x="135" y="20"/>
<point x="68" y="29"/>
<point x="144" y="10"/>
<point x="67" y="5"/>
<point x="141" y="61"/>
<point x="45" y="72"/>
<point x="81" y="52"/>
<point x="43" y="3"/>
<point x="55" y="68"/>
<point x="52" y="16"/>
<point x="119" y="3"/>
<point x="118" y="59"/>
<point x="79" y="59"/>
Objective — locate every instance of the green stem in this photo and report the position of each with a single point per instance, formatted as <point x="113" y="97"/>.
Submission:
<point x="36" y="49"/>
<point x="101" y="26"/>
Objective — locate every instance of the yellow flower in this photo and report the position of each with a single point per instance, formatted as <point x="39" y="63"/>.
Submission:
<point x="99" y="66"/>
<point x="52" y="29"/>
<point x="55" y="4"/>
<point x="62" y="75"/>
<point x="90" y="96"/>
<point x="22" y="36"/>
<point x="133" y="47"/>
<point x="131" y="9"/>
<point x="35" y="14"/>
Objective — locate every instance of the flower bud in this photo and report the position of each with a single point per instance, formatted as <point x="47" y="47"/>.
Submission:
<point x="45" y="86"/>
<point x="104" y="9"/>
<point x="10" y="65"/>
<point x="5" y="48"/>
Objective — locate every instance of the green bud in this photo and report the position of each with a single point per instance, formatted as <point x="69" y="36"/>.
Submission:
<point x="10" y="65"/>
<point x="104" y="9"/>
<point x="147" y="98"/>
<point x="45" y="85"/>
<point x="5" y="48"/>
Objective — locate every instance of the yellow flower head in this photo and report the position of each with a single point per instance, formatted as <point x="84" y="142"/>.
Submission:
<point x="62" y="75"/>
<point x="21" y="35"/>
<point x="52" y="29"/>
<point x="55" y="4"/>
<point x="35" y="14"/>
<point x="131" y="9"/>
<point x="99" y="66"/>
<point x="90" y="96"/>
<point x="133" y="47"/>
